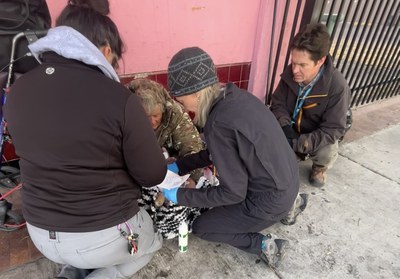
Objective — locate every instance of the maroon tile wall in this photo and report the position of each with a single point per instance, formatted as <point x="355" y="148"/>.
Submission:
<point x="8" y="152"/>
<point x="237" y="73"/>
<point x="223" y="73"/>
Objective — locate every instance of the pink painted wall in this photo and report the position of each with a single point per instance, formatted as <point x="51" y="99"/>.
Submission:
<point x="231" y="31"/>
<point x="154" y="30"/>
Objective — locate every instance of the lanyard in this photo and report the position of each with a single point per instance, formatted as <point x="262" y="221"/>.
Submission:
<point x="127" y="226"/>
<point x="303" y="93"/>
<point x="301" y="96"/>
<point x="133" y="238"/>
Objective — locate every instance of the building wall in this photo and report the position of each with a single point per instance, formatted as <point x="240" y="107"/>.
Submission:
<point x="236" y="34"/>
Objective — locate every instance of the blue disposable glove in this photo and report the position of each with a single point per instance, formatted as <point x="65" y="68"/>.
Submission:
<point x="171" y="194"/>
<point x="173" y="167"/>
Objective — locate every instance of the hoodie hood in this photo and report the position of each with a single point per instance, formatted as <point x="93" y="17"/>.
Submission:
<point x="71" y="44"/>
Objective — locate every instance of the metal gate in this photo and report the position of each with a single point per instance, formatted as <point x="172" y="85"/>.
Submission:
<point x="365" y="44"/>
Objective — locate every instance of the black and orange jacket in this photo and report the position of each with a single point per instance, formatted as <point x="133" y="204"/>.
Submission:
<point x="322" y="119"/>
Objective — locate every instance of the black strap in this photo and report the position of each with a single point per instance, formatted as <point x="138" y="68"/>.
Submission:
<point x="26" y="2"/>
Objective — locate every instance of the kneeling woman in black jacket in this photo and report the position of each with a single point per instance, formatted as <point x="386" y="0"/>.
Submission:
<point x="256" y="168"/>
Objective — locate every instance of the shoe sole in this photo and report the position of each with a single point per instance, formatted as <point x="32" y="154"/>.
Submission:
<point x="282" y="247"/>
<point x="316" y="184"/>
<point x="304" y="196"/>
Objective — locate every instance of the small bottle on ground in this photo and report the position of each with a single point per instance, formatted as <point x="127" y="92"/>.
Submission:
<point x="183" y="237"/>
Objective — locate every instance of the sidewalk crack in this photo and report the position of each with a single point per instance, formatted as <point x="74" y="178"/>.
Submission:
<point x="368" y="168"/>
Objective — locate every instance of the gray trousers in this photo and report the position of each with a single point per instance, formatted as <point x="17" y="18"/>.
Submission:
<point x="233" y="225"/>
<point x="326" y="156"/>
<point x="106" y="251"/>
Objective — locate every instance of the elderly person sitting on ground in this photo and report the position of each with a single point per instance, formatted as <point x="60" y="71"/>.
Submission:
<point x="178" y="136"/>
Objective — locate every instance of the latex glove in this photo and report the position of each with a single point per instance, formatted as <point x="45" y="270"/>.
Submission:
<point x="171" y="194"/>
<point x="173" y="167"/>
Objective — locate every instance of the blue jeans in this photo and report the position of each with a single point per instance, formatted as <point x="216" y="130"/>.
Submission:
<point x="106" y="251"/>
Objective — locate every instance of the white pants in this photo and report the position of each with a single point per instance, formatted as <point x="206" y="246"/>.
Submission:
<point x="106" y="251"/>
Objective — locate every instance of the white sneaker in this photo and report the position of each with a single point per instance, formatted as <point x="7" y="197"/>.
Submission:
<point x="298" y="207"/>
<point x="274" y="250"/>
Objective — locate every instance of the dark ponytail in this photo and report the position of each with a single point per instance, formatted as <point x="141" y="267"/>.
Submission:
<point x="90" y="18"/>
<point x="100" y="6"/>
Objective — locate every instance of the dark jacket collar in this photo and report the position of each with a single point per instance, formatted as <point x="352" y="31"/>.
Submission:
<point x="228" y="89"/>
<point x="53" y="58"/>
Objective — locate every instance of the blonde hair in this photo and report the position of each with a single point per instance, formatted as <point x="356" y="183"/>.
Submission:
<point x="150" y="94"/>
<point x="205" y="98"/>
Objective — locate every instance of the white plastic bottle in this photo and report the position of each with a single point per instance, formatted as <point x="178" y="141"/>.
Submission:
<point x="183" y="237"/>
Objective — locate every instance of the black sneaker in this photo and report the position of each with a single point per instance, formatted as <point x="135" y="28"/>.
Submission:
<point x="298" y="207"/>
<point x="273" y="251"/>
<point x="70" y="272"/>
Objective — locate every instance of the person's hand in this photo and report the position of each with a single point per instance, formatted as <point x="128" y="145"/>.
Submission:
<point x="301" y="145"/>
<point x="290" y="134"/>
<point x="173" y="167"/>
<point x="171" y="160"/>
<point x="190" y="183"/>
<point x="171" y="194"/>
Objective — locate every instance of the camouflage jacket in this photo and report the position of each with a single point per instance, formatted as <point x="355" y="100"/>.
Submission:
<point x="178" y="134"/>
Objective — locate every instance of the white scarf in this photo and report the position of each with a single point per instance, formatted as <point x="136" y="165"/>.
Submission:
<point x="71" y="44"/>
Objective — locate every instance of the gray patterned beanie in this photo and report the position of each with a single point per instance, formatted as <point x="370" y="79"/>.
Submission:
<point x="190" y="70"/>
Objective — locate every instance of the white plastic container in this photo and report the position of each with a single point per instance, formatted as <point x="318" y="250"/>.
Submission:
<point x="183" y="237"/>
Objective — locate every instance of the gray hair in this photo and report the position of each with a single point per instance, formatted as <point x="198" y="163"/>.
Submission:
<point x="150" y="94"/>
<point x="205" y="98"/>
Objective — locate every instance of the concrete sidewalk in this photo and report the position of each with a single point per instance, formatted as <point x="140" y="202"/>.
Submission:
<point x="350" y="228"/>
